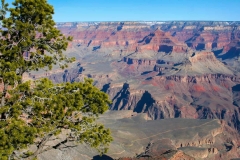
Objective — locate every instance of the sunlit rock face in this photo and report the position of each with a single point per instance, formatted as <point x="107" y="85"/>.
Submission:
<point x="163" y="69"/>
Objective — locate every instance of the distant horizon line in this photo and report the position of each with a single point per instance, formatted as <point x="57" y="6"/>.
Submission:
<point x="152" y="21"/>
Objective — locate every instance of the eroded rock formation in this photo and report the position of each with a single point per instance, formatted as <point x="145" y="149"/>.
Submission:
<point x="164" y="69"/>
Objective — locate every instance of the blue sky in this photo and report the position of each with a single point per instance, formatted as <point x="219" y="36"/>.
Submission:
<point x="145" y="10"/>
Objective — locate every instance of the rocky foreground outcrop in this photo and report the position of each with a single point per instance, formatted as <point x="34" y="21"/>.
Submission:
<point x="137" y="136"/>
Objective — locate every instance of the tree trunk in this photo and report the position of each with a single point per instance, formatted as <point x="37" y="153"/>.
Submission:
<point x="40" y="147"/>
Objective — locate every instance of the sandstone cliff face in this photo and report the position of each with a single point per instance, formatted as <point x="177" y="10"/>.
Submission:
<point x="207" y="36"/>
<point x="186" y="98"/>
<point x="107" y="34"/>
<point x="208" y="40"/>
<point x="160" y="41"/>
<point x="127" y="35"/>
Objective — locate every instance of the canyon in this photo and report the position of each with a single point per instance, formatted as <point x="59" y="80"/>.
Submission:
<point x="167" y="71"/>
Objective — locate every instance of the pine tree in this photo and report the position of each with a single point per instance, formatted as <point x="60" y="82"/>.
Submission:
<point x="29" y="41"/>
<point x="34" y="112"/>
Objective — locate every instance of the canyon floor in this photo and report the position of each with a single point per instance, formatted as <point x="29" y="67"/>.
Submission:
<point x="174" y="85"/>
<point x="137" y="136"/>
